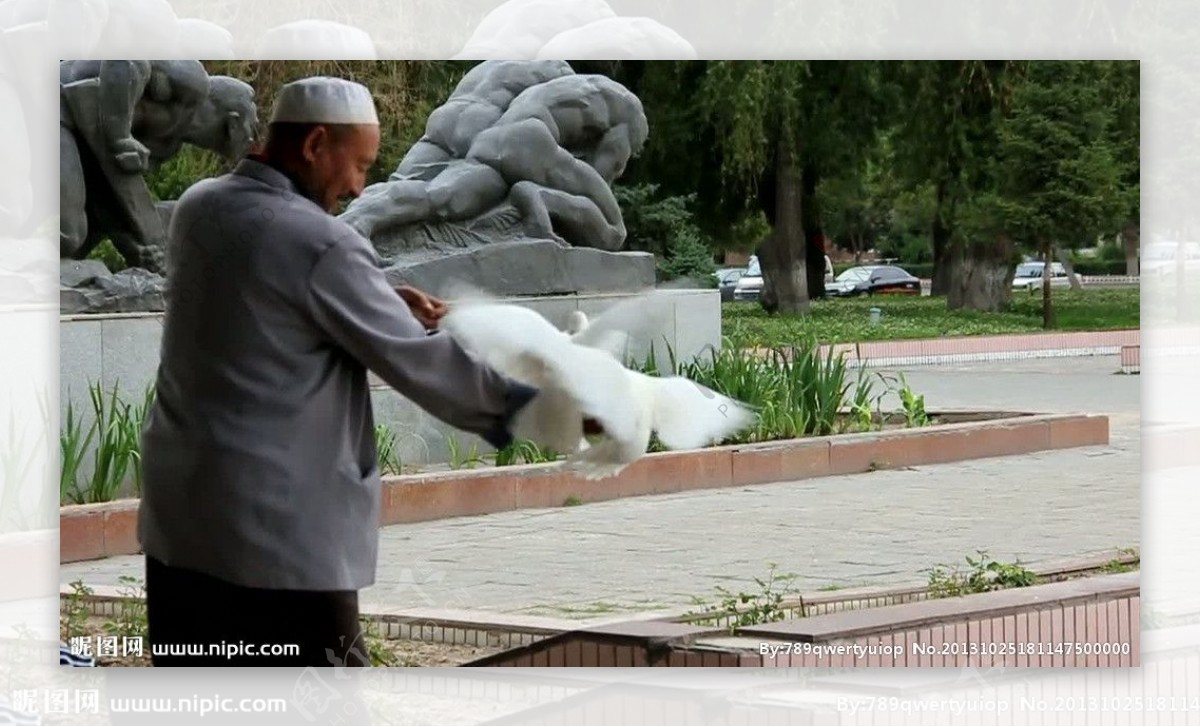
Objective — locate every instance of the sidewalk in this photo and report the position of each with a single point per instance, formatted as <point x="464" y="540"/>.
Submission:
<point x="658" y="553"/>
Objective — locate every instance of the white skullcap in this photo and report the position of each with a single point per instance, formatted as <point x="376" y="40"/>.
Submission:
<point x="324" y="100"/>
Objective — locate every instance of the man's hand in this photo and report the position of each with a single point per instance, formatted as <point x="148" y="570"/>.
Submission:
<point x="425" y="308"/>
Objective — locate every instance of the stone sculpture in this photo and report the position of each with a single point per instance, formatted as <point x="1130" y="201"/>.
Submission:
<point x="119" y="121"/>
<point x="523" y="153"/>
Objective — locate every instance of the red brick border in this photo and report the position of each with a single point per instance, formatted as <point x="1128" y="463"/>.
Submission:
<point x="89" y="532"/>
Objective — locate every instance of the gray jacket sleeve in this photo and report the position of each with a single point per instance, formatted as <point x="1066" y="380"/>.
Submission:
<point x="353" y="304"/>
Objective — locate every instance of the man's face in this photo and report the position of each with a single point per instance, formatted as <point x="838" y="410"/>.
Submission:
<point x="338" y="161"/>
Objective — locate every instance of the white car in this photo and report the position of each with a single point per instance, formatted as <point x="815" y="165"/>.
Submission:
<point x="1029" y="276"/>
<point x="750" y="285"/>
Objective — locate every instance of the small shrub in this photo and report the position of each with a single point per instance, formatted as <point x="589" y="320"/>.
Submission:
<point x="107" y="253"/>
<point x="913" y="405"/>
<point x="765" y="605"/>
<point x="666" y="226"/>
<point x="984" y="574"/>
<point x="688" y="257"/>
<point x="378" y="652"/>
<point x="131" y="619"/>
<point x="172" y="178"/>
<point x="76" y="613"/>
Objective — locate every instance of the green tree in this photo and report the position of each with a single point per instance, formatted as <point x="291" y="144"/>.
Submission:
<point x="1122" y="83"/>
<point x="1058" y="178"/>
<point x="666" y="227"/>
<point x="858" y="206"/>
<point x="780" y="128"/>
<point x="945" y="136"/>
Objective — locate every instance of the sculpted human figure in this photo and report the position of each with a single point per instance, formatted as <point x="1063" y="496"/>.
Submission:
<point x="121" y="119"/>
<point x="476" y="103"/>
<point x="552" y="155"/>
<point x="576" y="134"/>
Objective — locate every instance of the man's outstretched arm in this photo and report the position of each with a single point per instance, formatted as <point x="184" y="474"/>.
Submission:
<point x="351" y="301"/>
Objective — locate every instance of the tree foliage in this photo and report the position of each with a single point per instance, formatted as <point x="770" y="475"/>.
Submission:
<point x="1058" y="178"/>
<point x="967" y="164"/>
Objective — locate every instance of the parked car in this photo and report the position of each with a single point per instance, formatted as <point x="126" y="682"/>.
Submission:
<point x="749" y="286"/>
<point x="1029" y="276"/>
<point x="874" y="280"/>
<point x="726" y="279"/>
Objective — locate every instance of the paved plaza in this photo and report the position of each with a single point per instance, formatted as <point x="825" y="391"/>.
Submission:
<point x="658" y="553"/>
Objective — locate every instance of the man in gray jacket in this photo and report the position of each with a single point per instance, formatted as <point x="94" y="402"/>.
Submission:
<point x="261" y="494"/>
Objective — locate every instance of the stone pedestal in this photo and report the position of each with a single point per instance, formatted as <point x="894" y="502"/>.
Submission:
<point x="528" y="268"/>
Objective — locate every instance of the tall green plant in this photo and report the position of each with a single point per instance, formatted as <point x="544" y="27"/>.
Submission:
<point x="463" y="459"/>
<point x="523" y="451"/>
<point x="385" y="448"/>
<point x="113" y="441"/>
<point x="796" y="391"/>
<point x="133" y="432"/>
<point x="74" y="443"/>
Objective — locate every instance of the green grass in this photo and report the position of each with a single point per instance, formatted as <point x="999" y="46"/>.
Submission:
<point x="848" y="320"/>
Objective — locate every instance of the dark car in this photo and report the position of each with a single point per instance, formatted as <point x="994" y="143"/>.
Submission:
<point x="875" y="280"/>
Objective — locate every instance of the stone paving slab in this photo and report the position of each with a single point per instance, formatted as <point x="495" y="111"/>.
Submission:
<point x="654" y="553"/>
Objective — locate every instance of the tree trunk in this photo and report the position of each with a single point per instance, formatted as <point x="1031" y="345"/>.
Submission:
<point x="979" y="277"/>
<point x="814" y="236"/>
<point x="1131" y="236"/>
<point x="1047" y="305"/>
<point x="943" y="251"/>
<point x="1064" y="257"/>
<point x="785" y="283"/>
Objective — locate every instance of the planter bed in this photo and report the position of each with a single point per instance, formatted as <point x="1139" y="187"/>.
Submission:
<point x="89" y="532"/>
<point x="450" y="637"/>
